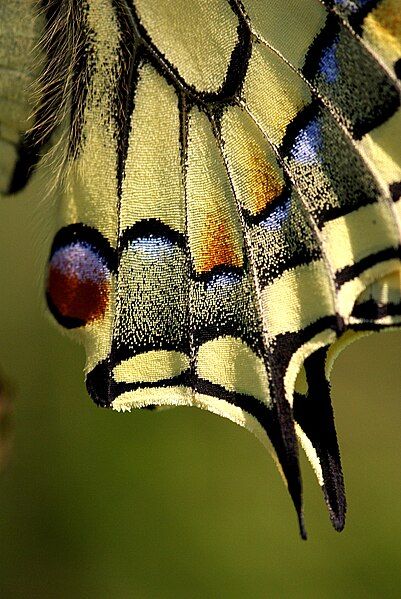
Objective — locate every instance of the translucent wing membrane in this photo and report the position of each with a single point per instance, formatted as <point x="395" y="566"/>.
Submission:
<point x="230" y="208"/>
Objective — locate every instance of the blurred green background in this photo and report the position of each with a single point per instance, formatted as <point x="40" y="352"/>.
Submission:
<point x="96" y="504"/>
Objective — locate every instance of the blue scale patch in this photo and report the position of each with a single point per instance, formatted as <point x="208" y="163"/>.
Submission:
<point x="307" y="144"/>
<point x="223" y="279"/>
<point x="351" y="5"/>
<point x="328" y="64"/>
<point x="82" y="261"/>
<point x="152" y="247"/>
<point x="277" y="217"/>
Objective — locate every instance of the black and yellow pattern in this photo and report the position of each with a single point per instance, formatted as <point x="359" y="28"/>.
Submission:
<point x="229" y="203"/>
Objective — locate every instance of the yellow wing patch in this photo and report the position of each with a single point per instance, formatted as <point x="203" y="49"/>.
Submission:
<point x="229" y="189"/>
<point x="290" y="31"/>
<point x="297" y="298"/>
<point x="229" y="362"/>
<point x="273" y="92"/>
<point x="153" y="185"/>
<point x="151" y="367"/>
<point x="214" y="230"/>
<point x="181" y="30"/>
<point x="256" y="176"/>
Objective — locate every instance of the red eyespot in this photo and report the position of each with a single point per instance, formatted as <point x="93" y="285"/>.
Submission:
<point x="78" y="284"/>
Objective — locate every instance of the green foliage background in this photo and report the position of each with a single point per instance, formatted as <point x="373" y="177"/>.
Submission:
<point x="179" y="504"/>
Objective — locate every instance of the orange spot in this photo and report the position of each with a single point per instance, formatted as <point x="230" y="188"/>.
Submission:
<point x="265" y="184"/>
<point x="220" y="247"/>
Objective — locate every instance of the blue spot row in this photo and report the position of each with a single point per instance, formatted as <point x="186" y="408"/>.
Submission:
<point x="152" y="247"/>
<point x="307" y="143"/>
<point x="328" y="63"/>
<point x="223" y="279"/>
<point x="276" y="218"/>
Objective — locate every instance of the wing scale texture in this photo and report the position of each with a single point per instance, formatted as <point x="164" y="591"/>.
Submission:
<point x="229" y="205"/>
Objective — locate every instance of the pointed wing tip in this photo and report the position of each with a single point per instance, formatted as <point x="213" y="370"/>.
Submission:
<point x="301" y="522"/>
<point x="302" y="529"/>
<point x="295" y="490"/>
<point x="337" y="506"/>
<point x="338" y="521"/>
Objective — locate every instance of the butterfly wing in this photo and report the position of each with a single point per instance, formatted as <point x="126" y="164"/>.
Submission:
<point x="229" y="209"/>
<point x="18" y="74"/>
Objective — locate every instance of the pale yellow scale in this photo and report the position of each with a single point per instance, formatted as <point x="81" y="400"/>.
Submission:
<point x="387" y="290"/>
<point x="290" y="31"/>
<point x="382" y="150"/>
<point x="90" y="187"/>
<point x="152" y="188"/>
<point x="153" y="182"/>
<point x="229" y="362"/>
<point x="350" y="238"/>
<point x="383" y="291"/>
<point x="273" y="93"/>
<point x="196" y="37"/>
<point x="351" y="290"/>
<point x="214" y="228"/>
<point x="305" y="299"/>
<point x="151" y="366"/>
<point x="256" y="176"/>
<point x="382" y="31"/>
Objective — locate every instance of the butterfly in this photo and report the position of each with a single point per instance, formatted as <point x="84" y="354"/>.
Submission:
<point x="228" y="177"/>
